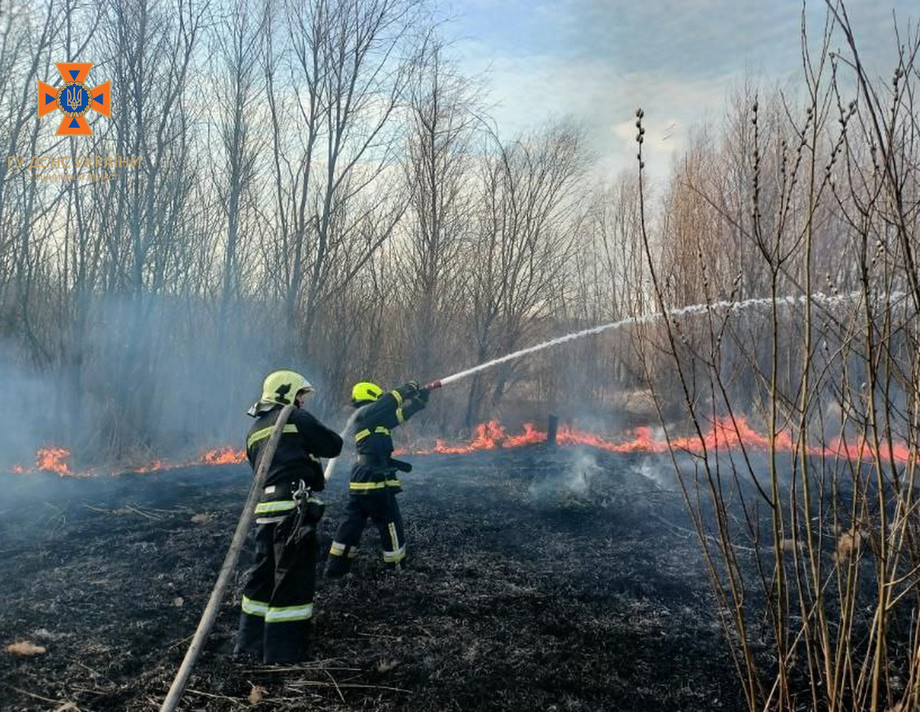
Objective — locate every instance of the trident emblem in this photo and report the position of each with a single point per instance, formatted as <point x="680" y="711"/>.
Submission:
<point x="74" y="99"/>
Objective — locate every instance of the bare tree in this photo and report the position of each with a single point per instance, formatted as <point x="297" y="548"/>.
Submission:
<point x="340" y="76"/>
<point x="236" y="189"/>
<point x="522" y="241"/>
<point x="442" y="121"/>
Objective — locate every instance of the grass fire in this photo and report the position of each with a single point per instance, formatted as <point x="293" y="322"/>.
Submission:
<point x="514" y="567"/>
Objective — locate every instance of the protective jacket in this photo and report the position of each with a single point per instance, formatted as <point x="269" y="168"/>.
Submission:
<point x="374" y="483"/>
<point x="374" y="470"/>
<point x="303" y="441"/>
<point x="277" y="600"/>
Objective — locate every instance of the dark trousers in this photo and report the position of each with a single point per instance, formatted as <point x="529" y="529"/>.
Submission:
<point x="383" y="511"/>
<point x="278" y="595"/>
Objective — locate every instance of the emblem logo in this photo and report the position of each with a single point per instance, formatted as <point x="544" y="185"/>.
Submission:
<point x="74" y="99"/>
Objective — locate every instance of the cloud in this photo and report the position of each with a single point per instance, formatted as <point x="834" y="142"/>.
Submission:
<point x="596" y="61"/>
<point x="528" y="91"/>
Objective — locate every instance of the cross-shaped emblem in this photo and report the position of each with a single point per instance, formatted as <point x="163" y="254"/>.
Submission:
<point x="74" y="99"/>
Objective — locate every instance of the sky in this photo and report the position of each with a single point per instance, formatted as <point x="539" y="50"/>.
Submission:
<point x="597" y="61"/>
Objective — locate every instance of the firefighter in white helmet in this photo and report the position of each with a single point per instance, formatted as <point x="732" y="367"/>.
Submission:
<point x="374" y="483"/>
<point x="278" y="594"/>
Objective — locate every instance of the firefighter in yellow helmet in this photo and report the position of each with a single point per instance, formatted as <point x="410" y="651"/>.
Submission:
<point x="278" y="594"/>
<point x="374" y="483"/>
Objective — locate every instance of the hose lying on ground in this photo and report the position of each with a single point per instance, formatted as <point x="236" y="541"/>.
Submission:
<point x="228" y="567"/>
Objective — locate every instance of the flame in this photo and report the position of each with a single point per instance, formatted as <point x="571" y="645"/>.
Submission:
<point x="530" y="436"/>
<point x="223" y="456"/>
<point x="489" y="436"/>
<point x="724" y="434"/>
<point x="218" y="456"/>
<point x="152" y="467"/>
<point x="53" y="459"/>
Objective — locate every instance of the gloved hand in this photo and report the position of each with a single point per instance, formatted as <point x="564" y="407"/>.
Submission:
<point x="412" y="386"/>
<point x="422" y="395"/>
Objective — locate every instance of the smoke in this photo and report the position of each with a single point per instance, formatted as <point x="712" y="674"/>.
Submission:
<point x="572" y="483"/>
<point x="578" y="477"/>
<point x="185" y="383"/>
<point x="29" y="417"/>
<point x="657" y="471"/>
<point x="588" y="478"/>
<point x="144" y="378"/>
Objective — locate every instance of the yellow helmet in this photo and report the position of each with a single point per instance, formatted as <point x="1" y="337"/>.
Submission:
<point x="365" y="391"/>
<point x="282" y="386"/>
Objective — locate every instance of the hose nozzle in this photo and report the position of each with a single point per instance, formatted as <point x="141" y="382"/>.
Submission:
<point x="431" y="386"/>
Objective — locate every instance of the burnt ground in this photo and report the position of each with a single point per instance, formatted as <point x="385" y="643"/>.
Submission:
<point x="540" y="581"/>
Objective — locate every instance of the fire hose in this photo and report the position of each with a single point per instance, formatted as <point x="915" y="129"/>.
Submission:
<point x="230" y="560"/>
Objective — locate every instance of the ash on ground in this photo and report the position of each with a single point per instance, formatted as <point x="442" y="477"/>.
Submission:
<point x="540" y="579"/>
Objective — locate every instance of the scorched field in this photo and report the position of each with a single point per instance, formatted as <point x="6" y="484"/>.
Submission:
<point x="540" y="580"/>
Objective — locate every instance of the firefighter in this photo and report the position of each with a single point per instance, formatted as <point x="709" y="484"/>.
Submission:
<point x="374" y="483"/>
<point x="278" y="595"/>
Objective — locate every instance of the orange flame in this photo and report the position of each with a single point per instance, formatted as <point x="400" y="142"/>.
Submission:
<point x="489" y="436"/>
<point x="218" y="456"/>
<point x="223" y="456"/>
<point x="53" y="459"/>
<point x="152" y="467"/>
<point x="724" y="434"/>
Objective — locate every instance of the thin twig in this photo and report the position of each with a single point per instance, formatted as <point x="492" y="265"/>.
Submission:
<point x="305" y="667"/>
<point x="696" y="535"/>
<point x="77" y="688"/>
<point x="37" y="697"/>
<point x="337" y="688"/>
<point x="143" y="514"/>
<point x="180" y="642"/>
<point x="216" y="697"/>
<point x="320" y="683"/>
<point x="87" y="667"/>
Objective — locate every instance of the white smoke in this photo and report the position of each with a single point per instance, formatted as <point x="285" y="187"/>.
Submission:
<point x="29" y="417"/>
<point x="574" y="482"/>
<point x="657" y="471"/>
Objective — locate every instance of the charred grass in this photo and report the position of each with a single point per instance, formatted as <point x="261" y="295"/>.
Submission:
<point x="539" y="580"/>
